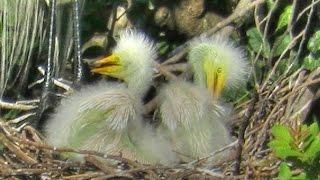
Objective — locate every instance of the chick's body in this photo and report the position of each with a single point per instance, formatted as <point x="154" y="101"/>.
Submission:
<point x="193" y="120"/>
<point x="87" y="119"/>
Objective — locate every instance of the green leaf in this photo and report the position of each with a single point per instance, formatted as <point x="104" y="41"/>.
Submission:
<point x="284" y="17"/>
<point x="282" y="133"/>
<point x="300" y="176"/>
<point x="281" y="44"/>
<point x="163" y="47"/>
<point x="285" y="152"/>
<point x="312" y="150"/>
<point x="256" y="42"/>
<point x="284" y="171"/>
<point x="314" y="129"/>
<point x="311" y="63"/>
<point x="314" y="42"/>
<point x="278" y="143"/>
<point x="307" y="141"/>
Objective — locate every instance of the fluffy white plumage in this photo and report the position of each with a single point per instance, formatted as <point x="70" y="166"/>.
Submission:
<point x="193" y="119"/>
<point x="90" y="106"/>
<point x="191" y="112"/>
<point x="223" y="54"/>
<point x="139" y="53"/>
<point x="107" y="117"/>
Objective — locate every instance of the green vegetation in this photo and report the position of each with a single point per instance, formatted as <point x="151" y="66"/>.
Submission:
<point x="298" y="150"/>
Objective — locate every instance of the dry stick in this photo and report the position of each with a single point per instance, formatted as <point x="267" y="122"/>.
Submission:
<point x="56" y="82"/>
<point x="6" y="129"/>
<point x="305" y="32"/>
<point x="176" y="57"/>
<point x="112" y="176"/>
<point x="268" y="19"/>
<point x="83" y="176"/>
<point x="246" y="121"/>
<point x="269" y="118"/>
<point x="15" y="149"/>
<point x="294" y="41"/>
<point x="273" y="70"/>
<point x="234" y="16"/>
<point x="181" y="67"/>
<point x="10" y="136"/>
<point x="306" y="9"/>
<point x="293" y="17"/>
<point x="21" y="107"/>
<point x="165" y="72"/>
<point x="21" y="118"/>
<point x="212" y="154"/>
<point x="292" y="99"/>
<point x="99" y="164"/>
<point x="211" y="173"/>
<point x="18" y="172"/>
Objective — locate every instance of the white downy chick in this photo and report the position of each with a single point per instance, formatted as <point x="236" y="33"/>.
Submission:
<point x="191" y="112"/>
<point x="107" y="117"/>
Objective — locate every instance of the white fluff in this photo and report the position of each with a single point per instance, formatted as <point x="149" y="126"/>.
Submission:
<point x="224" y="54"/>
<point x="138" y="53"/>
<point x="191" y="117"/>
<point x="103" y="97"/>
<point x="107" y="117"/>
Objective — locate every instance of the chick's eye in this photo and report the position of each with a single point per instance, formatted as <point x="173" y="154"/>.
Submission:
<point x="219" y="70"/>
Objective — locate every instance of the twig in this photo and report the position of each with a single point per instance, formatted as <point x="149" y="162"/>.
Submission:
<point x="246" y="120"/>
<point x="17" y="106"/>
<point x="21" y="118"/>
<point x="83" y="176"/>
<point x="176" y="57"/>
<point x="165" y="72"/>
<point x="214" y="153"/>
<point x="15" y="149"/>
<point x="305" y="31"/>
<point x="28" y="171"/>
<point x="99" y="164"/>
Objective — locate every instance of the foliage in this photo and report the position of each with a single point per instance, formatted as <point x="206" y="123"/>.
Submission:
<point x="284" y="17"/>
<point x="256" y="43"/>
<point x="299" y="149"/>
<point x="312" y="61"/>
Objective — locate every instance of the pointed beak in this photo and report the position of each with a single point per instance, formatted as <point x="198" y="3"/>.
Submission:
<point x="110" y="65"/>
<point x="215" y="77"/>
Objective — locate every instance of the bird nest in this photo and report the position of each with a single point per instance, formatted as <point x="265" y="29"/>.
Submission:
<point x="282" y="97"/>
<point x="26" y="154"/>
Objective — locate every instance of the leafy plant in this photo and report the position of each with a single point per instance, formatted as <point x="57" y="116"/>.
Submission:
<point x="299" y="149"/>
<point x="256" y="43"/>
<point x="312" y="61"/>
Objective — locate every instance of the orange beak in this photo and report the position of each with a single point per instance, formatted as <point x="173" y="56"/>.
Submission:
<point x="110" y="65"/>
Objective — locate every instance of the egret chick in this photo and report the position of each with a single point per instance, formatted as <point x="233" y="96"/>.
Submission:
<point x="107" y="117"/>
<point x="191" y="113"/>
